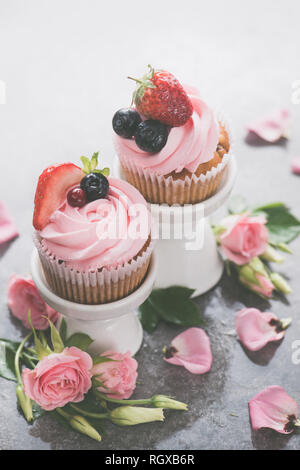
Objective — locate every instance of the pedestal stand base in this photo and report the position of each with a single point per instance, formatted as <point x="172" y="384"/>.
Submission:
<point x="113" y="326"/>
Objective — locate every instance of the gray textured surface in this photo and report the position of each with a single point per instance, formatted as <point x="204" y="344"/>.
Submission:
<point x="65" y="65"/>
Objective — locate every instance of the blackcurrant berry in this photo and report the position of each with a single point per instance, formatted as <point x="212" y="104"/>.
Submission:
<point x="76" y="197"/>
<point x="125" y="122"/>
<point x="95" y="186"/>
<point x="151" y="136"/>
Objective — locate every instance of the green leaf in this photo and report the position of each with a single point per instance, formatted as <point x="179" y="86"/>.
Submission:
<point x="148" y="316"/>
<point x="57" y="343"/>
<point x="63" y="330"/>
<point x="86" y="165"/>
<point x="41" y="348"/>
<point x="102" y="359"/>
<point x="104" y="171"/>
<point x="37" y="411"/>
<point x="282" y="225"/>
<point x="176" y="292"/>
<point x="94" y="161"/>
<point x="79" y="340"/>
<point x="237" y="204"/>
<point x="7" y="356"/>
<point x="173" y="305"/>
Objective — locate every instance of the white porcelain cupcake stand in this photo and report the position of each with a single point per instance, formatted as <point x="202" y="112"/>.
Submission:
<point x="189" y="255"/>
<point x="113" y="326"/>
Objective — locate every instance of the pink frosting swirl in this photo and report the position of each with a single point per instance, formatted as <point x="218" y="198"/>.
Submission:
<point x="103" y="233"/>
<point x="188" y="146"/>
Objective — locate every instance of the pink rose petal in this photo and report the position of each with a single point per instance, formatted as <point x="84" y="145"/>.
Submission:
<point x="8" y="229"/>
<point x="191" y="349"/>
<point x="295" y="165"/>
<point x="271" y="127"/>
<point x="23" y="295"/>
<point x="254" y="329"/>
<point x="273" y="408"/>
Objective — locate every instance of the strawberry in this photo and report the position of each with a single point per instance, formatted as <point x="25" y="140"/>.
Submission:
<point x="51" y="190"/>
<point x="160" y="96"/>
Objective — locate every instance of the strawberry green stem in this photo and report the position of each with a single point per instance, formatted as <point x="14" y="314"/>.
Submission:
<point x="135" y="79"/>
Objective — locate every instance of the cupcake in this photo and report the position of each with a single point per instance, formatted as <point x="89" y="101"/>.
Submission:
<point x="92" y="233"/>
<point x="172" y="147"/>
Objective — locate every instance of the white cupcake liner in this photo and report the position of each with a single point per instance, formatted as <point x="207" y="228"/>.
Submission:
<point x="190" y="189"/>
<point x="95" y="286"/>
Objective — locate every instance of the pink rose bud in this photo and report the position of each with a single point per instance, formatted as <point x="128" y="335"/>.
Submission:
<point x="190" y="349"/>
<point x="280" y="283"/>
<point x="295" y="165"/>
<point x="244" y="238"/>
<point x="132" y="415"/>
<point x="272" y="255"/>
<point x="274" y="408"/>
<point x="8" y="229"/>
<point x="118" y="376"/>
<point x="271" y="127"/>
<point x="59" y="378"/>
<point x="23" y="296"/>
<point x="255" y="281"/>
<point x="255" y="329"/>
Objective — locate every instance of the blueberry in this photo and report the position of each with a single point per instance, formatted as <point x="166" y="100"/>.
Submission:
<point x="95" y="186"/>
<point x="125" y="122"/>
<point x="151" y="136"/>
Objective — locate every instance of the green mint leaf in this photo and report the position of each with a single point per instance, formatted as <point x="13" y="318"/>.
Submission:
<point x="283" y="227"/>
<point x="79" y="340"/>
<point x="86" y="165"/>
<point x="148" y="316"/>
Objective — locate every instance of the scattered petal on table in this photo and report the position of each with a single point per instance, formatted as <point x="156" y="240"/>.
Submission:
<point x="255" y="328"/>
<point x="295" y="165"/>
<point x="190" y="349"/>
<point x="274" y="408"/>
<point x="271" y="127"/>
<point x="8" y="229"/>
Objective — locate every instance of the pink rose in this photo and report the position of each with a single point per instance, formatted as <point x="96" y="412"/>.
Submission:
<point x="244" y="238"/>
<point x="23" y="295"/>
<point x="59" y="379"/>
<point x="266" y="286"/>
<point x="118" y="376"/>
